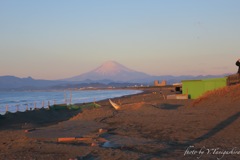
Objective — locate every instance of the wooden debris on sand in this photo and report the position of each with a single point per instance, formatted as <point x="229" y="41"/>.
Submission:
<point x="74" y="139"/>
<point x="92" y="140"/>
<point x="102" y="130"/>
<point x="117" y="107"/>
<point x="29" y="130"/>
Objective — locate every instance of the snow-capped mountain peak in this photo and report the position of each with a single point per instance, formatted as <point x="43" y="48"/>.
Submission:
<point x="111" y="70"/>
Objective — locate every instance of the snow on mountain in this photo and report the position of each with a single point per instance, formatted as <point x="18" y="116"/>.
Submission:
<point x="111" y="70"/>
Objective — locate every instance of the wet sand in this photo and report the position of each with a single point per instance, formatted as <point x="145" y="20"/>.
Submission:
<point x="147" y="127"/>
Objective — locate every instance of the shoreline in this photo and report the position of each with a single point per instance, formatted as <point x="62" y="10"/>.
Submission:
<point x="31" y="105"/>
<point x="146" y="127"/>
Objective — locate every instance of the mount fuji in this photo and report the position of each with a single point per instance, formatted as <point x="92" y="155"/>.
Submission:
<point x="111" y="71"/>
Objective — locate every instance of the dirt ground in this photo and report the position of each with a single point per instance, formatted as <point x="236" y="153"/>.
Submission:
<point x="146" y="127"/>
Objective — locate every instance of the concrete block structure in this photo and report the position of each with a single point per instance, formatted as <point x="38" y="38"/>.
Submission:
<point x="163" y="83"/>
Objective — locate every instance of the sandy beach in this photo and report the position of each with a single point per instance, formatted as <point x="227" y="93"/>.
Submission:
<point x="146" y="127"/>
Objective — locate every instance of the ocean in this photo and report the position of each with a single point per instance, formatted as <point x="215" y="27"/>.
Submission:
<point x="20" y="101"/>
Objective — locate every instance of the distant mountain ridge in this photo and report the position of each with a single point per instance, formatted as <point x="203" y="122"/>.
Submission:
<point x="12" y="83"/>
<point x="110" y="74"/>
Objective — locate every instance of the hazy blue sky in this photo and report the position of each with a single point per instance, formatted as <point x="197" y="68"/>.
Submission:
<point x="54" y="39"/>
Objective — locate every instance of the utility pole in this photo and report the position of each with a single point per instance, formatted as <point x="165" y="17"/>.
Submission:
<point x="65" y="97"/>
<point x="70" y="96"/>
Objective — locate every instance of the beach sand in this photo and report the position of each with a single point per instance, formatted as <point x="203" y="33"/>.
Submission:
<point x="146" y="127"/>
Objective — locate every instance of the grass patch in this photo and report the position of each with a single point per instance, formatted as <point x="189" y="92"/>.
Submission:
<point x="74" y="107"/>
